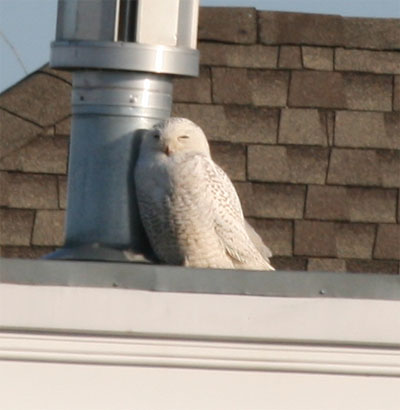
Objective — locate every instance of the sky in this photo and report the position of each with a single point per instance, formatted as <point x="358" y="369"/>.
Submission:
<point x="28" y="26"/>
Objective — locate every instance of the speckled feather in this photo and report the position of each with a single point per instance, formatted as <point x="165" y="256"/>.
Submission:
<point x="188" y="205"/>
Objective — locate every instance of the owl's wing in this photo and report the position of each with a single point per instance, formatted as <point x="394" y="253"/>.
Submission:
<point x="239" y="239"/>
<point x="151" y="189"/>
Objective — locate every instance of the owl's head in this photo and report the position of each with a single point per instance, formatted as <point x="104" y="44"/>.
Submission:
<point x="177" y="135"/>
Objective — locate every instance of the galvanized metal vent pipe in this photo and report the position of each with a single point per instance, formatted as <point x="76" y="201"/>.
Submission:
<point x="123" y="55"/>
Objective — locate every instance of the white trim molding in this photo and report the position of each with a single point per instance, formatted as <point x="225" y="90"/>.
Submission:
<point x="267" y="357"/>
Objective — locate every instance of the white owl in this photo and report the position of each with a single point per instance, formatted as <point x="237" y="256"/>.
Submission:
<point x="188" y="205"/>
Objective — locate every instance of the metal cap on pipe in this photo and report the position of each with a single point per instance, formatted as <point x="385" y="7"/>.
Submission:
<point x="70" y="55"/>
<point x="157" y="36"/>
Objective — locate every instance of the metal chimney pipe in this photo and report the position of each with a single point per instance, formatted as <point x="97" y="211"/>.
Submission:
<point x="123" y="55"/>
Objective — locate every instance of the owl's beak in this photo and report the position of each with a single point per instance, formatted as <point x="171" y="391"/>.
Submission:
<point x="168" y="150"/>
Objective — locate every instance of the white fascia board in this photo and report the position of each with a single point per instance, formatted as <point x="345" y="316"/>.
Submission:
<point x="69" y="347"/>
<point x="129" y="312"/>
<point x="49" y="386"/>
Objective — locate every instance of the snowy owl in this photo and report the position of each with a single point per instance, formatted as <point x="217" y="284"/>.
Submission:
<point x="188" y="205"/>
